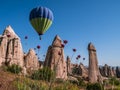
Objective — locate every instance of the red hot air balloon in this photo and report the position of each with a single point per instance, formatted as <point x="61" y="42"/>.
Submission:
<point x="78" y="56"/>
<point x="62" y="45"/>
<point x="38" y="46"/>
<point x="65" y="41"/>
<point x="8" y="35"/>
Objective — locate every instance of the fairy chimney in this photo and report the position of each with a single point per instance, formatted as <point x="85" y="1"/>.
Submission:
<point x="31" y="60"/>
<point x="68" y="62"/>
<point x="118" y="72"/>
<point x="83" y="70"/>
<point x="93" y="70"/>
<point x="107" y="71"/>
<point x="55" y="58"/>
<point x="10" y="47"/>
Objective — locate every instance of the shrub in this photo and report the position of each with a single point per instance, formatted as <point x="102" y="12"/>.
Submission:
<point x="75" y="70"/>
<point x="27" y="84"/>
<point x="59" y="80"/>
<point x="14" y="69"/>
<point x="81" y="82"/>
<point x="66" y="86"/>
<point x="4" y="68"/>
<point x="95" y="86"/>
<point x="114" y="81"/>
<point x="118" y="87"/>
<point x="43" y="74"/>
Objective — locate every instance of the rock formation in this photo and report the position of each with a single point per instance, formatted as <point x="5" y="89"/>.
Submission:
<point x="111" y="73"/>
<point x="31" y="60"/>
<point x="84" y="70"/>
<point x="107" y="71"/>
<point x="55" y="58"/>
<point x="114" y="71"/>
<point x="93" y="70"/>
<point x="118" y="72"/>
<point x="80" y="70"/>
<point x="41" y="64"/>
<point x="11" y="51"/>
<point x="68" y="62"/>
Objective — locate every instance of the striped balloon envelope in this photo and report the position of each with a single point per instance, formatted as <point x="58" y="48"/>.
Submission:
<point x="41" y="19"/>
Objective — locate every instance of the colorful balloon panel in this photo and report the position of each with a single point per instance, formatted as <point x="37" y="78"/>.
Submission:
<point x="41" y="19"/>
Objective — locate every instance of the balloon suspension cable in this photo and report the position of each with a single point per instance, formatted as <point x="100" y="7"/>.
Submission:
<point x="40" y="37"/>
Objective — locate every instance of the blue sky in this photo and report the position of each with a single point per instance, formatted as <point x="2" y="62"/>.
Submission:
<point x="78" y="21"/>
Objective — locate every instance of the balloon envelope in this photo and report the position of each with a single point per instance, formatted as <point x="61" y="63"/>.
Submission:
<point x="41" y="19"/>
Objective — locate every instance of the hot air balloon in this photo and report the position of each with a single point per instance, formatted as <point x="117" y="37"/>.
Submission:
<point x="38" y="46"/>
<point x="78" y="56"/>
<point x="41" y="19"/>
<point x="26" y="37"/>
<point x="74" y="50"/>
<point x="8" y="35"/>
<point x="65" y="41"/>
<point x="83" y="58"/>
<point x="62" y="45"/>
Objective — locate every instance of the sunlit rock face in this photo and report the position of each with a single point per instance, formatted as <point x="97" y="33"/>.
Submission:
<point x="93" y="70"/>
<point x="107" y="71"/>
<point x="68" y="63"/>
<point x="11" y="51"/>
<point x="31" y="60"/>
<point x="55" y="58"/>
<point x="84" y="70"/>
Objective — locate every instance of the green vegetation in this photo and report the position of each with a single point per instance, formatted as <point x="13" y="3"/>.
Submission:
<point x="14" y="69"/>
<point x="114" y="81"/>
<point x="95" y="86"/>
<point x="81" y="82"/>
<point x="43" y="74"/>
<point x="28" y="84"/>
<point x="43" y="79"/>
<point x="75" y="70"/>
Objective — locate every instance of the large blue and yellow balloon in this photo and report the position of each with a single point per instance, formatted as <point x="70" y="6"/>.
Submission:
<point x="41" y="19"/>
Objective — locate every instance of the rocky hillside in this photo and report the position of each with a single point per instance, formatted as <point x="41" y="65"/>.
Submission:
<point x="11" y="52"/>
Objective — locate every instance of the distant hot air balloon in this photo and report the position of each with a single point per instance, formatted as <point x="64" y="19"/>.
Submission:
<point x="38" y="46"/>
<point x="74" y="50"/>
<point x="8" y="35"/>
<point x="78" y="56"/>
<point x="41" y="19"/>
<point x="62" y="45"/>
<point x="65" y="41"/>
<point x="34" y="48"/>
<point x="26" y="37"/>
<point x="83" y="58"/>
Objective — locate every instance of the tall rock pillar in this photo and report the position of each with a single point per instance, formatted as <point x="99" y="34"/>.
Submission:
<point x="93" y="71"/>
<point x="68" y="62"/>
<point x="55" y="58"/>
